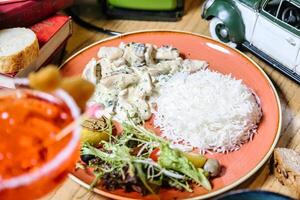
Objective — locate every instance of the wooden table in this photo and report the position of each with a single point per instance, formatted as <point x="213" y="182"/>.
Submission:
<point x="288" y="90"/>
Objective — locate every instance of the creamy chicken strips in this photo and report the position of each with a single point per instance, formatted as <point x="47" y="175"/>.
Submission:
<point x="128" y="77"/>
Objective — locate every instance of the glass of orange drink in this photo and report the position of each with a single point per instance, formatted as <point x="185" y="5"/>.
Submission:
<point x="32" y="160"/>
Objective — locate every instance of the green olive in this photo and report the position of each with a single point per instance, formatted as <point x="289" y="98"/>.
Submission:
<point x="93" y="137"/>
<point x="197" y="160"/>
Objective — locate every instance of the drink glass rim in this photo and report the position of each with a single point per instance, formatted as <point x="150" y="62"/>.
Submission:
<point x="54" y="163"/>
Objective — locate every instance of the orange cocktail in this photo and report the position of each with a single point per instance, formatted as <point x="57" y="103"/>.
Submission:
<point x="32" y="160"/>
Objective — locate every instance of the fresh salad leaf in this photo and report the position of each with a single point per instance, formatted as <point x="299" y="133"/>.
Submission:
<point x="143" y="177"/>
<point x="174" y="160"/>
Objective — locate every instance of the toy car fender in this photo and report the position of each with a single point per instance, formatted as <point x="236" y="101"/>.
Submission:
<point x="229" y="14"/>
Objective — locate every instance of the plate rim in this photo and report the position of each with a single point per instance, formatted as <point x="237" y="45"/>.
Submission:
<point x="228" y="187"/>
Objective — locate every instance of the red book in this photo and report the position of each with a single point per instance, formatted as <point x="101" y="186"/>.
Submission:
<point x="52" y="34"/>
<point x="20" y="13"/>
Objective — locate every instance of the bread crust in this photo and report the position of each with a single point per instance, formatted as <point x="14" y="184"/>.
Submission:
<point x="285" y="174"/>
<point x="20" y="60"/>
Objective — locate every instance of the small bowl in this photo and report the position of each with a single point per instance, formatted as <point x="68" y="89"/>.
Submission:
<point x="252" y="195"/>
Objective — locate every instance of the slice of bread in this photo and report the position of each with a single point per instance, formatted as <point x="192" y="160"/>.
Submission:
<point x="18" y="49"/>
<point x="287" y="168"/>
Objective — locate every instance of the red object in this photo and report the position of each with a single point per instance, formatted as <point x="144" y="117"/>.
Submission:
<point x="95" y="110"/>
<point x="20" y="13"/>
<point x="155" y="154"/>
<point x="52" y="34"/>
<point x="46" y="29"/>
<point x="37" y="154"/>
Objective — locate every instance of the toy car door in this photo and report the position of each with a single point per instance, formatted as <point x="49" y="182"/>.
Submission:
<point x="297" y="69"/>
<point x="277" y="31"/>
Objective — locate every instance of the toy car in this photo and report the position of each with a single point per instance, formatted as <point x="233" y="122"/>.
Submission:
<point x="268" y="28"/>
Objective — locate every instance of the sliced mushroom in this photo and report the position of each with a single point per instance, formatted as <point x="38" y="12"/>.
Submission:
<point x="138" y="49"/>
<point x="190" y="65"/>
<point x="173" y="65"/>
<point x="132" y="59"/>
<point x="143" y="108"/>
<point x="119" y="81"/>
<point x="149" y="54"/>
<point x="124" y="93"/>
<point x="159" y="69"/>
<point x="145" y="86"/>
<point x="126" y="110"/>
<point x="106" y="67"/>
<point x="123" y="69"/>
<point x="167" y="53"/>
<point x="92" y="71"/>
<point x="111" y="53"/>
<point x="134" y="54"/>
<point x="119" y="62"/>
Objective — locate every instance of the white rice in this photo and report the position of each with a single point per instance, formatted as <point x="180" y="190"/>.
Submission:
<point x="207" y="110"/>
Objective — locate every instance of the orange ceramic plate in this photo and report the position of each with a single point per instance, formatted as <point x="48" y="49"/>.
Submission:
<point x="239" y="165"/>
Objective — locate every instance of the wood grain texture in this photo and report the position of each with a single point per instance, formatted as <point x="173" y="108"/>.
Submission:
<point x="288" y="90"/>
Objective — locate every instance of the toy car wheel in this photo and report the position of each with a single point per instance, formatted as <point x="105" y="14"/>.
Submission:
<point x="219" y="31"/>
